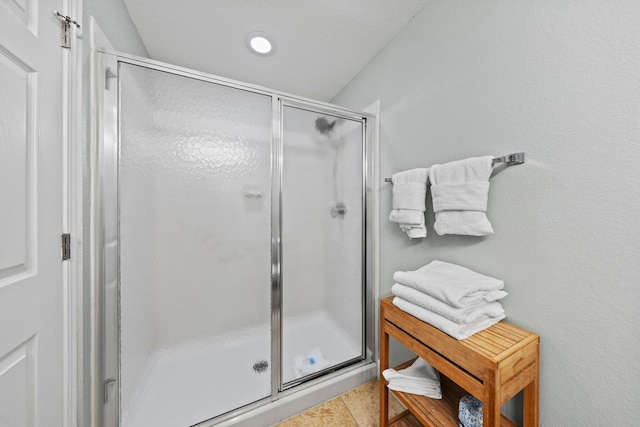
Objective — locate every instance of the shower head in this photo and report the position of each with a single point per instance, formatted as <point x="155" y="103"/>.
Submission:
<point x="324" y="126"/>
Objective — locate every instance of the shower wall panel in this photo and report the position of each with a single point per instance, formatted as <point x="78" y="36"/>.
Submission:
<point x="195" y="238"/>
<point x="141" y="333"/>
<point x="306" y="189"/>
<point x="322" y="240"/>
<point x="344" y="293"/>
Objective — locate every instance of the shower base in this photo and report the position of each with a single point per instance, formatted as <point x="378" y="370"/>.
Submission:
<point x="191" y="383"/>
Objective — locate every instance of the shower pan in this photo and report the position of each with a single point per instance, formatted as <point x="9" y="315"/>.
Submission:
<point x="232" y="246"/>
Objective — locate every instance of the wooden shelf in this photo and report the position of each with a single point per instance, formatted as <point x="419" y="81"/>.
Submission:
<point x="439" y="412"/>
<point x="492" y="365"/>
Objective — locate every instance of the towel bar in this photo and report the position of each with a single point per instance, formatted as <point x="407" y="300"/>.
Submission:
<point x="509" y="160"/>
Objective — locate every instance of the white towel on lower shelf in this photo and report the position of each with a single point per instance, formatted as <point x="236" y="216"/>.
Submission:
<point x="434" y="393"/>
<point x="457" y="331"/>
<point x="456" y="285"/>
<point x="468" y="314"/>
<point x="419" y="378"/>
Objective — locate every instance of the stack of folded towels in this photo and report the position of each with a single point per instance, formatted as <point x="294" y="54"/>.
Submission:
<point x="419" y="378"/>
<point x="454" y="299"/>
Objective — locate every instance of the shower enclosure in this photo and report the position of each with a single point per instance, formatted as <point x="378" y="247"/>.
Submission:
<point x="232" y="249"/>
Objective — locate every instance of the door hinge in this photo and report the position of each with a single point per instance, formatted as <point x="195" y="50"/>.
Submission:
<point x="66" y="22"/>
<point x="66" y="246"/>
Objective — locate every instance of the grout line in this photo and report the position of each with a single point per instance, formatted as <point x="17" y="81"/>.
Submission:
<point x="349" y="409"/>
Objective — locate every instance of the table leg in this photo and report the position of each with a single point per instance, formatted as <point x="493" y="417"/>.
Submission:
<point x="530" y="401"/>
<point x="490" y="403"/>
<point x="384" y="364"/>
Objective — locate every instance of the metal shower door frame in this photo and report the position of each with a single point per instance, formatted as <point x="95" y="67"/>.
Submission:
<point x="314" y="107"/>
<point x="105" y="231"/>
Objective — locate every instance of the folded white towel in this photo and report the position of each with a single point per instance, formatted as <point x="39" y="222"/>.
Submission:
<point x="419" y="370"/>
<point x="414" y="382"/>
<point x="415" y="231"/>
<point x="434" y="393"/>
<point x="459" y="191"/>
<point x="409" y="193"/>
<point x="471" y="196"/>
<point x="453" y="329"/>
<point x="419" y="378"/>
<point x="405" y="216"/>
<point x="309" y="363"/>
<point x="468" y="314"/>
<point x="456" y="285"/>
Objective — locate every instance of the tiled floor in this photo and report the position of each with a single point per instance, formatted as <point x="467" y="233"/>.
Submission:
<point x="356" y="408"/>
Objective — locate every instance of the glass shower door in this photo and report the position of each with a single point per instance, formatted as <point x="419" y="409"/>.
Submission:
<point x="194" y="248"/>
<point x="322" y="242"/>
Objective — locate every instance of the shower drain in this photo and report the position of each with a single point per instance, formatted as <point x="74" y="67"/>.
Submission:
<point x="260" y="366"/>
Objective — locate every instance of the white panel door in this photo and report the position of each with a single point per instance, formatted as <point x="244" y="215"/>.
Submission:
<point x="31" y="286"/>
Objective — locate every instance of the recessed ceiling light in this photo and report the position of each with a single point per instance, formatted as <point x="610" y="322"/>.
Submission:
<point x="260" y="43"/>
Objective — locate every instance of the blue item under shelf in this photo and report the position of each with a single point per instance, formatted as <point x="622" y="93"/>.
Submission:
<point x="470" y="412"/>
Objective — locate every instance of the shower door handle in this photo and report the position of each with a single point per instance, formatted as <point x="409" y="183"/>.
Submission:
<point x="109" y="389"/>
<point x="253" y="195"/>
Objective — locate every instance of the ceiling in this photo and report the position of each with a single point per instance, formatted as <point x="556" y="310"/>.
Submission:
<point x="320" y="45"/>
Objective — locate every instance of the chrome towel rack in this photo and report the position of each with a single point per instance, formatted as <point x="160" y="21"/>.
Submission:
<point x="509" y="160"/>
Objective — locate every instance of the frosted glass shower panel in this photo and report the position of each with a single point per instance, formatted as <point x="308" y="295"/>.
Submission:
<point x="194" y="236"/>
<point x="322" y="242"/>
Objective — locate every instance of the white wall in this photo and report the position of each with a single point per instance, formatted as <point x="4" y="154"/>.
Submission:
<point x="114" y="19"/>
<point x="559" y="80"/>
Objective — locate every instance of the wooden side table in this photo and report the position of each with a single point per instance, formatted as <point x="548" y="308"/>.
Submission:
<point x="492" y="365"/>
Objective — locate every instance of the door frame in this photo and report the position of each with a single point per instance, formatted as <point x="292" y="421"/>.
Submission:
<point x="72" y="215"/>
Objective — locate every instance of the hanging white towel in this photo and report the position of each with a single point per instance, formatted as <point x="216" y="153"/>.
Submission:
<point x="460" y="191"/>
<point x="406" y="216"/>
<point x="453" y="329"/>
<point x="415" y="231"/>
<point x="409" y="193"/>
<point x="468" y="314"/>
<point x="456" y="285"/>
